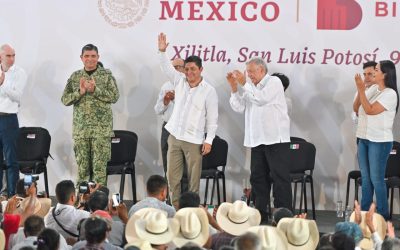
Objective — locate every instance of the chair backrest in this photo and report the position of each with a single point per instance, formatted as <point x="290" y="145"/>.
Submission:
<point x="393" y="162"/>
<point x="294" y="139"/>
<point x="299" y="156"/>
<point x="218" y="155"/>
<point x="33" y="144"/>
<point x="123" y="147"/>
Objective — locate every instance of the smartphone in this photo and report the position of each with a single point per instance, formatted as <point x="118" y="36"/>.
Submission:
<point x="115" y="199"/>
<point x="27" y="181"/>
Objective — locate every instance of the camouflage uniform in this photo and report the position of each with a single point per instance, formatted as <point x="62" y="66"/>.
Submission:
<point x="92" y="122"/>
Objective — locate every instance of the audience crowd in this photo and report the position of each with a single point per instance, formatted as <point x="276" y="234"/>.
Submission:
<point x="92" y="221"/>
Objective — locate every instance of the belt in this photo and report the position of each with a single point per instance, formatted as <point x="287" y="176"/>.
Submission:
<point x="5" y="114"/>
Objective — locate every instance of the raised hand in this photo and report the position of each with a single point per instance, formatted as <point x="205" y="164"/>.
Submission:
<point x="369" y="218"/>
<point x="240" y="76"/>
<point x="359" y="82"/>
<point x="2" y="76"/>
<point x="91" y="85"/>
<point x="357" y="212"/>
<point x="162" y="42"/>
<point x="232" y="81"/>
<point x="82" y="86"/>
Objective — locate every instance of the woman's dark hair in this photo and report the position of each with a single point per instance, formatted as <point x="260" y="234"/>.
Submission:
<point x="95" y="230"/>
<point x="389" y="69"/>
<point x="48" y="239"/>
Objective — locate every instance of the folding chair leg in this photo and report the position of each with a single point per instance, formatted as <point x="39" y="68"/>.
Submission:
<point x="212" y="192"/>
<point x="347" y="190"/>
<point x="312" y="197"/>
<point x="122" y="185"/>
<point x="305" y="195"/>
<point x="294" y="197"/>
<point x="46" y="182"/>
<point x="391" y="202"/>
<point x="356" y="190"/>
<point x="206" y="193"/>
<point x="133" y="179"/>
<point x="218" y="191"/>
<point x="223" y="187"/>
<point x="301" y="197"/>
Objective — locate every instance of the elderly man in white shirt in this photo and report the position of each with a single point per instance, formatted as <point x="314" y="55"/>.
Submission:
<point x="195" y="114"/>
<point x="12" y="83"/>
<point x="267" y="125"/>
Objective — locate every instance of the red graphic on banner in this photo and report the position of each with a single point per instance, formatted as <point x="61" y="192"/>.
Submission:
<point x="338" y="14"/>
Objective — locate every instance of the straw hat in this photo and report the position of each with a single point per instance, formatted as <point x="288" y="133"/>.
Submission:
<point x="140" y="214"/>
<point x="152" y="226"/>
<point x="193" y="226"/>
<point x="300" y="233"/>
<point x="235" y="218"/>
<point x="42" y="205"/>
<point x="271" y="238"/>
<point x="379" y="225"/>
<point x="2" y="240"/>
<point x="141" y="244"/>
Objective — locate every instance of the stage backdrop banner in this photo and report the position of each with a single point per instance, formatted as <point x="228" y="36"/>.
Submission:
<point x="320" y="45"/>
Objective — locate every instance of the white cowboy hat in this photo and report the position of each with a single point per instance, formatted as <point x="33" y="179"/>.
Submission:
<point x="141" y="244"/>
<point x="300" y="233"/>
<point x="42" y="205"/>
<point x="153" y="227"/>
<point x="2" y="240"/>
<point x="271" y="238"/>
<point x="379" y="225"/>
<point x="235" y="218"/>
<point x="194" y="226"/>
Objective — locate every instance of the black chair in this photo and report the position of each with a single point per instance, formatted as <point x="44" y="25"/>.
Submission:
<point x="123" y="154"/>
<point x="392" y="174"/>
<point x="33" y="150"/>
<point x="356" y="176"/>
<point x="300" y="157"/>
<point x="213" y="167"/>
<point x="294" y="139"/>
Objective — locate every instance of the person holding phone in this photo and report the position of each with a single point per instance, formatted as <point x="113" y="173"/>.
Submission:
<point x="12" y="83"/>
<point x="91" y="91"/>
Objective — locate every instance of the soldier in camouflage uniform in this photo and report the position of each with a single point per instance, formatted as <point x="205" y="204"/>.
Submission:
<point x="91" y="90"/>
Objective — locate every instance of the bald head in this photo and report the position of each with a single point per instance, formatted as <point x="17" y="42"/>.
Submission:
<point x="178" y="64"/>
<point x="7" y="57"/>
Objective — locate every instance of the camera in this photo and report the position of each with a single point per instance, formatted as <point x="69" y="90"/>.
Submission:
<point x="28" y="179"/>
<point x="115" y="199"/>
<point x="84" y="187"/>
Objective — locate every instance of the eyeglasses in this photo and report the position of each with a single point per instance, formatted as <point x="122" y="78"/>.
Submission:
<point x="178" y="67"/>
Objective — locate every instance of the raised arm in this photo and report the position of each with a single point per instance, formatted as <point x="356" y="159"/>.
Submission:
<point x="369" y="108"/>
<point x="166" y="66"/>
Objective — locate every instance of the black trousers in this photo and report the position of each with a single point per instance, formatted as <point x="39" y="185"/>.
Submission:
<point x="266" y="167"/>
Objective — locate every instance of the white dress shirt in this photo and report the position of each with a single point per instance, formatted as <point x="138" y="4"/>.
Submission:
<point x="11" y="89"/>
<point x="160" y="108"/>
<point x="196" y="109"/>
<point x="266" y="118"/>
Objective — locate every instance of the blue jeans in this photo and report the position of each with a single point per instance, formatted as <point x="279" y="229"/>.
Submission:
<point x="372" y="158"/>
<point x="9" y="131"/>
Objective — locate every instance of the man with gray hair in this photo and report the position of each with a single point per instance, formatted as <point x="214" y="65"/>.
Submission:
<point x="267" y="125"/>
<point x="12" y="83"/>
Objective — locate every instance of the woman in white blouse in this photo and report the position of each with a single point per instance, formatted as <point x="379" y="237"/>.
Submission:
<point x="376" y="108"/>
